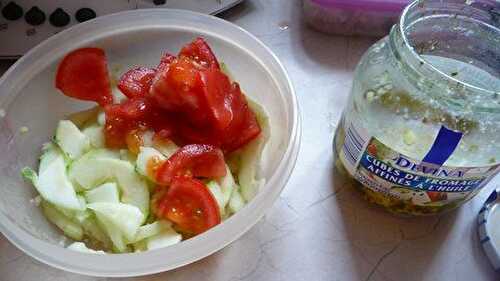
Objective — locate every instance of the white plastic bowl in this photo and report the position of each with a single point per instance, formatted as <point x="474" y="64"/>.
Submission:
<point x="134" y="38"/>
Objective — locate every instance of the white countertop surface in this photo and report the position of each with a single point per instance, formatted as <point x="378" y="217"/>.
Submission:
<point x="320" y="228"/>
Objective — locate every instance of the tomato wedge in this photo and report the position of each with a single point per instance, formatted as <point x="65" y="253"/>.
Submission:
<point x="198" y="160"/>
<point x="244" y="127"/>
<point x="136" y="82"/>
<point x="189" y="205"/>
<point x="217" y="89"/>
<point x="165" y="61"/>
<point x="199" y="51"/>
<point x="178" y="88"/>
<point x="83" y="74"/>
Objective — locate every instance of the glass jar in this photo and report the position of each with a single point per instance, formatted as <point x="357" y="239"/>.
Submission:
<point x="421" y="130"/>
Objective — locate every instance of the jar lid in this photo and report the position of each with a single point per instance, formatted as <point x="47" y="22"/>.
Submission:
<point x="489" y="228"/>
<point x="365" y="5"/>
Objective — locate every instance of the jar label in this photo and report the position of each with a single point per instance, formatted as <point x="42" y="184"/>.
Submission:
<point x="400" y="177"/>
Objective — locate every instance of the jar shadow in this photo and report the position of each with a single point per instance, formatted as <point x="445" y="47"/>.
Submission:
<point x="383" y="244"/>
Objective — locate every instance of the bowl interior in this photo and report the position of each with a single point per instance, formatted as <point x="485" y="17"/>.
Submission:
<point x="28" y="97"/>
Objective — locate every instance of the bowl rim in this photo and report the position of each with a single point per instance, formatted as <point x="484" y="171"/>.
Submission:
<point x="193" y="249"/>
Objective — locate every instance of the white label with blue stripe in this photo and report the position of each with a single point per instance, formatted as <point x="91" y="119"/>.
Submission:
<point x="421" y="183"/>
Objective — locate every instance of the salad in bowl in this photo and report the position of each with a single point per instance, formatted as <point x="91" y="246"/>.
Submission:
<point x="166" y="154"/>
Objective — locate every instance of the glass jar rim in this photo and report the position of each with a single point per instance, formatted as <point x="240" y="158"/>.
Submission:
<point x="429" y="68"/>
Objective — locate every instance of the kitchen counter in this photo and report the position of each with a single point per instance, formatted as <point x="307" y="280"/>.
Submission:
<point x="320" y="228"/>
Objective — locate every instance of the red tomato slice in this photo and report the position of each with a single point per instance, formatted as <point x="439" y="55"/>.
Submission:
<point x="165" y="62"/>
<point x="199" y="51"/>
<point x="136" y="82"/>
<point x="179" y="89"/>
<point x="218" y="96"/>
<point x="189" y="205"/>
<point x="83" y="74"/>
<point x="116" y="127"/>
<point x="198" y="160"/>
<point x="244" y="127"/>
<point x="124" y="117"/>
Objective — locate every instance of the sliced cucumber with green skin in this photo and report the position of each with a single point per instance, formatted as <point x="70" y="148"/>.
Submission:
<point x="80" y="247"/>
<point x="101" y="153"/>
<point x="227" y="185"/>
<point x="167" y="148"/>
<point x="50" y="151"/>
<point x="118" y="96"/>
<point x="151" y="229"/>
<point x="94" y="230"/>
<point x="54" y="185"/>
<point x="145" y="155"/>
<point x="125" y="218"/>
<point x="107" y="192"/>
<point x="128" y="156"/>
<point x="147" y="138"/>
<point x="69" y="228"/>
<point x="236" y="202"/>
<point x="251" y="155"/>
<point x="215" y="189"/>
<point x="90" y="172"/>
<point x="101" y="118"/>
<point x="167" y="237"/>
<point x="115" y="235"/>
<point x="95" y="135"/>
<point x="77" y="216"/>
<point x="71" y="140"/>
<point x="85" y="117"/>
<point x="140" y="246"/>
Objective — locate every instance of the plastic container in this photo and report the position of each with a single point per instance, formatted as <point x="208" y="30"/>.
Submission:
<point x="353" y="17"/>
<point x="421" y="131"/>
<point x="28" y="97"/>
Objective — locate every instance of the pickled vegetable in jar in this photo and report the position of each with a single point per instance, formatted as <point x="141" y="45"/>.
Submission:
<point x="421" y="131"/>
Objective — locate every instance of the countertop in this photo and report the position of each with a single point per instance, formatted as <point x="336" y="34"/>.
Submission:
<point x="320" y="228"/>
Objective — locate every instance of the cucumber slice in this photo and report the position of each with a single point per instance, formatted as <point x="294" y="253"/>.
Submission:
<point x="227" y="185"/>
<point x="215" y="189"/>
<point x="115" y="235"/>
<point x="144" y="157"/>
<point x="49" y="152"/>
<point x="167" y="148"/>
<point x="101" y="118"/>
<point x="29" y="175"/>
<point x="107" y="192"/>
<point x="80" y="247"/>
<point x="76" y="216"/>
<point x="128" y="156"/>
<point x="166" y="238"/>
<point x="151" y="229"/>
<point x="251" y="155"/>
<point x="90" y="172"/>
<point x="236" y="202"/>
<point x="118" y="96"/>
<point x="140" y="246"/>
<point x="101" y="153"/>
<point x="147" y="138"/>
<point x="93" y="230"/>
<point x="125" y="218"/>
<point x="71" y="140"/>
<point x="53" y="184"/>
<point x="69" y="228"/>
<point x="95" y="135"/>
<point x="85" y="117"/>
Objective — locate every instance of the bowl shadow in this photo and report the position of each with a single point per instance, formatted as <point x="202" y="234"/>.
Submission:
<point x="386" y="241"/>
